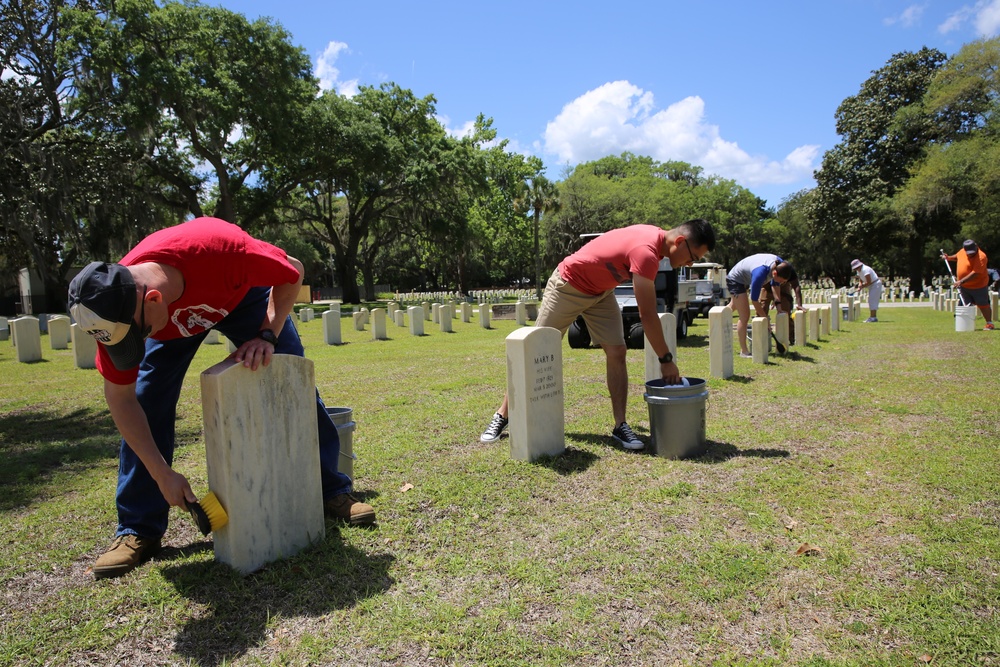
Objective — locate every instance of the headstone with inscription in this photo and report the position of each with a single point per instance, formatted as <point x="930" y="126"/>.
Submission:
<point x="535" y="393"/>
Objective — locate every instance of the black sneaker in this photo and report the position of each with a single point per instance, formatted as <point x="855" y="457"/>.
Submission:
<point x="496" y="427"/>
<point x="626" y="437"/>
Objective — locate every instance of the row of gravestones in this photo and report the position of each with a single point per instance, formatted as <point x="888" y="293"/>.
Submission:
<point x="809" y="325"/>
<point x="947" y="300"/>
<point x="25" y="334"/>
<point x="413" y="317"/>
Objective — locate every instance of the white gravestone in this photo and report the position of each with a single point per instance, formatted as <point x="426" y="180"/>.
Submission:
<point x="835" y="312"/>
<point x="331" y="327"/>
<point x="400" y="317"/>
<point x="84" y="347"/>
<point x="436" y="313"/>
<point x="365" y="315"/>
<point x="212" y="338"/>
<point x="720" y="342"/>
<point x="801" y="322"/>
<point x="668" y="323"/>
<point x="781" y="328"/>
<point x="813" y="332"/>
<point x="359" y="320"/>
<point x="466" y="312"/>
<point x="484" y="316"/>
<point x="416" y="316"/>
<point x="262" y="448"/>
<point x="444" y="318"/>
<point x="426" y="306"/>
<point x="520" y="314"/>
<point x="535" y="393"/>
<point x="825" y="315"/>
<point x="378" y="324"/>
<point x="761" y="339"/>
<point x="27" y="338"/>
<point x="59" y="332"/>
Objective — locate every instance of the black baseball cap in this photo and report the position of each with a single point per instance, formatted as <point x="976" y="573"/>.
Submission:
<point x="970" y="247"/>
<point x="102" y="300"/>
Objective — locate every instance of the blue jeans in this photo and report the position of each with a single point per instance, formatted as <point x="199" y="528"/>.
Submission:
<point x="142" y="510"/>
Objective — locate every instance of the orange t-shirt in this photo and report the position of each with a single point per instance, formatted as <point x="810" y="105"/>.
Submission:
<point x="967" y="264"/>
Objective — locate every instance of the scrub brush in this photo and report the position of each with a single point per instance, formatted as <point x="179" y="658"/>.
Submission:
<point x="208" y="514"/>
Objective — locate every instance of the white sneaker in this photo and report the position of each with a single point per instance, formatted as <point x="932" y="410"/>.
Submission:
<point x="626" y="437"/>
<point x="496" y="427"/>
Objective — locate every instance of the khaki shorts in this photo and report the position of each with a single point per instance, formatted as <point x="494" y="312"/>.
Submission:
<point x="562" y="304"/>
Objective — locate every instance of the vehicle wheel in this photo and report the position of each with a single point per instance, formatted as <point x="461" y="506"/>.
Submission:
<point x="682" y="327"/>
<point x="636" y="337"/>
<point x="578" y="335"/>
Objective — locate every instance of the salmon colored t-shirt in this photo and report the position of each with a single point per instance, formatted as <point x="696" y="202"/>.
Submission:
<point x="220" y="263"/>
<point x="967" y="264"/>
<point x="613" y="257"/>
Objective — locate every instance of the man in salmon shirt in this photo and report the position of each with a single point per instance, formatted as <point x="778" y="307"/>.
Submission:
<point x="584" y="284"/>
<point x="150" y="312"/>
<point x="973" y="278"/>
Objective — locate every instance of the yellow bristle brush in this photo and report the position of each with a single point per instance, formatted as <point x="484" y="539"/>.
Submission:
<point x="208" y="514"/>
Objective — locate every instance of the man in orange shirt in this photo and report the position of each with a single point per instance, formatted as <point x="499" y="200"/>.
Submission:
<point x="973" y="279"/>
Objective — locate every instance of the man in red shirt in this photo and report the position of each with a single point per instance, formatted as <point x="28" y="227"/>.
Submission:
<point x="973" y="278"/>
<point x="150" y="312"/>
<point x="584" y="284"/>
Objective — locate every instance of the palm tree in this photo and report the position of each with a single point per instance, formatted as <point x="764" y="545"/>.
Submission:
<point x="540" y="196"/>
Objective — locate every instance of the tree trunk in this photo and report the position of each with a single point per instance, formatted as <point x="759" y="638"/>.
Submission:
<point x="347" y="272"/>
<point x="916" y="263"/>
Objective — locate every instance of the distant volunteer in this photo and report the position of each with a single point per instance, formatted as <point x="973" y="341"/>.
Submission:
<point x="972" y="278"/>
<point x="745" y="282"/>
<point x="868" y="279"/>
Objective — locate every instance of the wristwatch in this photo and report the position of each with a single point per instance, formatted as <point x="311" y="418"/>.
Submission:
<point x="667" y="358"/>
<point x="268" y="335"/>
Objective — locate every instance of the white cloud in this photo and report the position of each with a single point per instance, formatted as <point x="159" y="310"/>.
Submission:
<point x="619" y="116"/>
<point x="329" y="75"/>
<point x="909" y="17"/>
<point x="988" y="18"/>
<point x="984" y="15"/>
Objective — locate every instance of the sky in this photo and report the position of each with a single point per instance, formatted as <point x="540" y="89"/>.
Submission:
<point x="746" y="90"/>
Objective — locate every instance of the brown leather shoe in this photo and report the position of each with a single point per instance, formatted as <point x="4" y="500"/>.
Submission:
<point x="125" y="554"/>
<point x="350" y="509"/>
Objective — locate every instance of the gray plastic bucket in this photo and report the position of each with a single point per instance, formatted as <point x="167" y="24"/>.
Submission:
<point x="677" y="418"/>
<point x="342" y="419"/>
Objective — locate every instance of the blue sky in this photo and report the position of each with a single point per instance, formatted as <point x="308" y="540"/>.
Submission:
<point x="747" y="90"/>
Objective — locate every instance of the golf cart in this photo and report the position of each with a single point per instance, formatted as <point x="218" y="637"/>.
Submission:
<point x="709" y="279"/>
<point x="672" y="296"/>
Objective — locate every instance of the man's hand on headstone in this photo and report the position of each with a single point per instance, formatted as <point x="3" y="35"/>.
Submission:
<point x="254" y="353"/>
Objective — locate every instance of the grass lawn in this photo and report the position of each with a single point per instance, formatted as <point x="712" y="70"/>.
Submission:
<point x="878" y="447"/>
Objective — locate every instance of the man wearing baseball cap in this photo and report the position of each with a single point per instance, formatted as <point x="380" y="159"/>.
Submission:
<point x="868" y="278"/>
<point x="150" y="312"/>
<point x="972" y="278"/>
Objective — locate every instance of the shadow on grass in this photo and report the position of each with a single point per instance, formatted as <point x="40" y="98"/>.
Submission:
<point x="717" y="452"/>
<point x="326" y="577"/>
<point x="34" y="442"/>
<point x="570" y="462"/>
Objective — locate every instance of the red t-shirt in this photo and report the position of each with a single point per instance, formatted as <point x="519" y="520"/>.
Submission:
<point x="612" y="258"/>
<point x="220" y="263"/>
<point x="967" y="264"/>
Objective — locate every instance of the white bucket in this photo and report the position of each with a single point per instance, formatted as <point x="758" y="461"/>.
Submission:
<point x="965" y="318"/>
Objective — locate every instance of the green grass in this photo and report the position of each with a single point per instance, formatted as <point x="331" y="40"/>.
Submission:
<point x="877" y="445"/>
